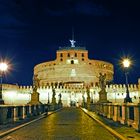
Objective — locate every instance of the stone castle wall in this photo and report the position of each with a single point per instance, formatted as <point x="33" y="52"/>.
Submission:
<point x="69" y="74"/>
<point x="13" y="94"/>
<point x="72" y="65"/>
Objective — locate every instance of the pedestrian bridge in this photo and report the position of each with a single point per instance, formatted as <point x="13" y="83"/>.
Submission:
<point x="67" y="124"/>
<point x="36" y="122"/>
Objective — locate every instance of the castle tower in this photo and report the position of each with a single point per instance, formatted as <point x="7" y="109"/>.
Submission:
<point x="72" y="65"/>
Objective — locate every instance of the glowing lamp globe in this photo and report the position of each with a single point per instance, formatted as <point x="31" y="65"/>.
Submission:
<point x="3" y="66"/>
<point x="126" y="63"/>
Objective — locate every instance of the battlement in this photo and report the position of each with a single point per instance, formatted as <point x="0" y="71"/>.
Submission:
<point x="9" y="86"/>
<point x="22" y="94"/>
<point x="108" y="87"/>
<point x="117" y="86"/>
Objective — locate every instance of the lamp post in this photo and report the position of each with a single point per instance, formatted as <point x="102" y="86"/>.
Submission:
<point x="3" y="68"/>
<point x="126" y="63"/>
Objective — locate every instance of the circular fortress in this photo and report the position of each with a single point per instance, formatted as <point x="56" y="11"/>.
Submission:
<point x="72" y="66"/>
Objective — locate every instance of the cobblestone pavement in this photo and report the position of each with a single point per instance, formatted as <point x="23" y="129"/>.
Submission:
<point x="126" y="131"/>
<point x="68" y="124"/>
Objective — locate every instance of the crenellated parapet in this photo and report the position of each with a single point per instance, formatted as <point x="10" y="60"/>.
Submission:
<point x="25" y="87"/>
<point x="14" y="94"/>
<point x="122" y="87"/>
<point x="119" y="88"/>
<point x="10" y="87"/>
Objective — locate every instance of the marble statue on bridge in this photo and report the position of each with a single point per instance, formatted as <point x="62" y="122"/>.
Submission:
<point x="35" y="82"/>
<point x="35" y="94"/>
<point x="102" y="85"/>
<point x="102" y="80"/>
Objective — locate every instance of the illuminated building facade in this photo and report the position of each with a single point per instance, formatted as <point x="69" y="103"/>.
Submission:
<point x="71" y="67"/>
<point x="70" y="74"/>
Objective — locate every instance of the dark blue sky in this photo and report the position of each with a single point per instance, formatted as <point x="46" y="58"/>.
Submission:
<point x="32" y="30"/>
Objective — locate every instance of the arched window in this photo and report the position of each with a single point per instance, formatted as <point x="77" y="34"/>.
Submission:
<point x="75" y="54"/>
<point x="72" y="62"/>
<point x="68" y="54"/>
<point x="61" y="55"/>
<point x="82" y="54"/>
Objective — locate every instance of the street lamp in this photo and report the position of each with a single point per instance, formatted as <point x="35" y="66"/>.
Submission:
<point x="126" y="64"/>
<point x="3" y="68"/>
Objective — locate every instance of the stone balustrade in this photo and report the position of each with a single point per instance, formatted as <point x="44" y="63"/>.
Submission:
<point x="126" y="113"/>
<point x="12" y="113"/>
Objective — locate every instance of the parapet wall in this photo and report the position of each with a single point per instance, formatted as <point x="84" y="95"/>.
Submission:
<point x="14" y="94"/>
<point x="132" y="87"/>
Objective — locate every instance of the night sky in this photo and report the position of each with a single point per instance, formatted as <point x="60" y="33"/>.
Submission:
<point x="32" y="30"/>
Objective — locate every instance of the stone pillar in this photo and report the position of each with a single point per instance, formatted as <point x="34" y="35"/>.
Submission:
<point x="103" y="96"/>
<point x="105" y="110"/>
<point x="24" y="115"/>
<point x="33" y="108"/>
<point x="136" y="124"/>
<point x="38" y="110"/>
<point x="124" y="114"/>
<point x="115" y="116"/>
<point x="95" y="107"/>
<point x="16" y="113"/>
<point x="42" y="108"/>
<point x="34" y="98"/>
<point x="3" y="115"/>
<point x="119" y="112"/>
<point x="102" y="108"/>
<point x="10" y="114"/>
<point x="99" y="108"/>
<point x="130" y="113"/>
<point x="109" y="114"/>
<point x="20" y="112"/>
<point x="30" y="111"/>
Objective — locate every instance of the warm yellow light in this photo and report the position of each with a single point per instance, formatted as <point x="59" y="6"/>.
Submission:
<point x="126" y="63"/>
<point x="3" y="66"/>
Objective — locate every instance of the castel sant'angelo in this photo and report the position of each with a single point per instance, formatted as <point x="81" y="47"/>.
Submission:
<point x="72" y="67"/>
<point x="70" y="74"/>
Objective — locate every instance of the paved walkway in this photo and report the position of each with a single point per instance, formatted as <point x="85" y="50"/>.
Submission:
<point x="126" y="131"/>
<point x="67" y="124"/>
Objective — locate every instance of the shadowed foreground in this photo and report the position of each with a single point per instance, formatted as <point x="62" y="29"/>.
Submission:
<point x="68" y="124"/>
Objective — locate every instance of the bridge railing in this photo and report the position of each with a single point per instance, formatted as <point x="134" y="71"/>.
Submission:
<point x="126" y="113"/>
<point x="12" y="113"/>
